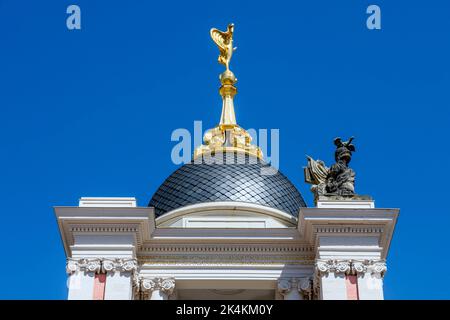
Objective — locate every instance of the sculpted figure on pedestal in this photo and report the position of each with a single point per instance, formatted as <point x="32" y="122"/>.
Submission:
<point x="339" y="179"/>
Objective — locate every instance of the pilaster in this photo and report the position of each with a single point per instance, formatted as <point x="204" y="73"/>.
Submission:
<point x="112" y="277"/>
<point x="101" y="238"/>
<point x="351" y="243"/>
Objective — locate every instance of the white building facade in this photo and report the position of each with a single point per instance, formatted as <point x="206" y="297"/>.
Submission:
<point x="227" y="230"/>
<point x="225" y="250"/>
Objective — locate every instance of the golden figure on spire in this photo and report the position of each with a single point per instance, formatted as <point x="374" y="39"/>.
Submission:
<point x="224" y="41"/>
<point x="227" y="136"/>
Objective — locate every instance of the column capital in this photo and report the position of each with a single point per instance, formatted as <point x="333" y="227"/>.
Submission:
<point x="302" y="285"/>
<point x="166" y="285"/>
<point x="101" y="265"/>
<point x="119" y="265"/>
<point x="375" y="267"/>
<point x="84" y="264"/>
<point x="351" y="267"/>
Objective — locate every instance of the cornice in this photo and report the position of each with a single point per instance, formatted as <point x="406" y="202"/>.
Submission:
<point x="77" y="220"/>
<point x="316" y="222"/>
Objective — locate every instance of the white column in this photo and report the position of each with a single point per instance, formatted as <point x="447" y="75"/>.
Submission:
<point x="119" y="274"/>
<point x="81" y="278"/>
<point x="295" y="288"/>
<point x="119" y="279"/>
<point x="350" y="230"/>
<point x="158" y="288"/>
<point x="330" y="275"/>
<point x="370" y="279"/>
<point x="331" y="279"/>
<point x="114" y="255"/>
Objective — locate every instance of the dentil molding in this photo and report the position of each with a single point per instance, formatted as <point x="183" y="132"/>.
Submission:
<point x="101" y="265"/>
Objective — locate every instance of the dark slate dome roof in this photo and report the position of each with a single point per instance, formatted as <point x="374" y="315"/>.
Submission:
<point x="237" y="181"/>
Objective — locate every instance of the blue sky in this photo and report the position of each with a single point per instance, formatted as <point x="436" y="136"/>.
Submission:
<point x="90" y="113"/>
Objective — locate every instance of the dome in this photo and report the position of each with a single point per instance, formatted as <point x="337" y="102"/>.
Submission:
<point x="244" y="180"/>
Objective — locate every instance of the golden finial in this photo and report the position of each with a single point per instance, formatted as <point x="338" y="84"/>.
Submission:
<point x="224" y="41"/>
<point x="227" y="136"/>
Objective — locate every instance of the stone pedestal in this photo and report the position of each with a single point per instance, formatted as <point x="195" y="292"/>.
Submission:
<point x="351" y="239"/>
<point x="354" y="202"/>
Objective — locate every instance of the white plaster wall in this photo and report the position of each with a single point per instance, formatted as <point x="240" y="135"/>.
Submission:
<point x="370" y="287"/>
<point x="226" y="215"/>
<point x="81" y="286"/>
<point x="348" y="247"/>
<point x="333" y="287"/>
<point x="118" y="286"/>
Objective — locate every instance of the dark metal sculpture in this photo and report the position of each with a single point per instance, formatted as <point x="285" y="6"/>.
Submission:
<point x="339" y="179"/>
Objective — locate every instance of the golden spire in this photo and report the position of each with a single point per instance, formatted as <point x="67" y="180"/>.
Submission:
<point x="227" y="136"/>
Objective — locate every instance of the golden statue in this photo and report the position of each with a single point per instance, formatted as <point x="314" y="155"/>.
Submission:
<point x="227" y="136"/>
<point x="224" y="41"/>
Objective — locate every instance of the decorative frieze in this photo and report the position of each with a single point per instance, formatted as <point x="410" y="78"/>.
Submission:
<point x="225" y="259"/>
<point x="104" y="228"/>
<point x="348" y="229"/>
<point x="204" y="248"/>
<point x="351" y="267"/>
<point x="302" y="285"/>
<point x="101" y="265"/>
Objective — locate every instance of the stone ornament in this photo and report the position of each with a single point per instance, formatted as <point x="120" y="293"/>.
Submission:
<point x="120" y="265"/>
<point x="333" y="266"/>
<point x="87" y="265"/>
<point x="378" y="269"/>
<point x="93" y="265"/>
<point x="101" y="265"/>
<point x="72" y="266"/>
<point x="351" y="267"/>
<point x="166" y="285"/>
<point x="108" y="265"/>
<point x="128" y="265"/>
<point x="284" y="286"/>
<point x="303" y="285"/>
<point x="337" y="180"/>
